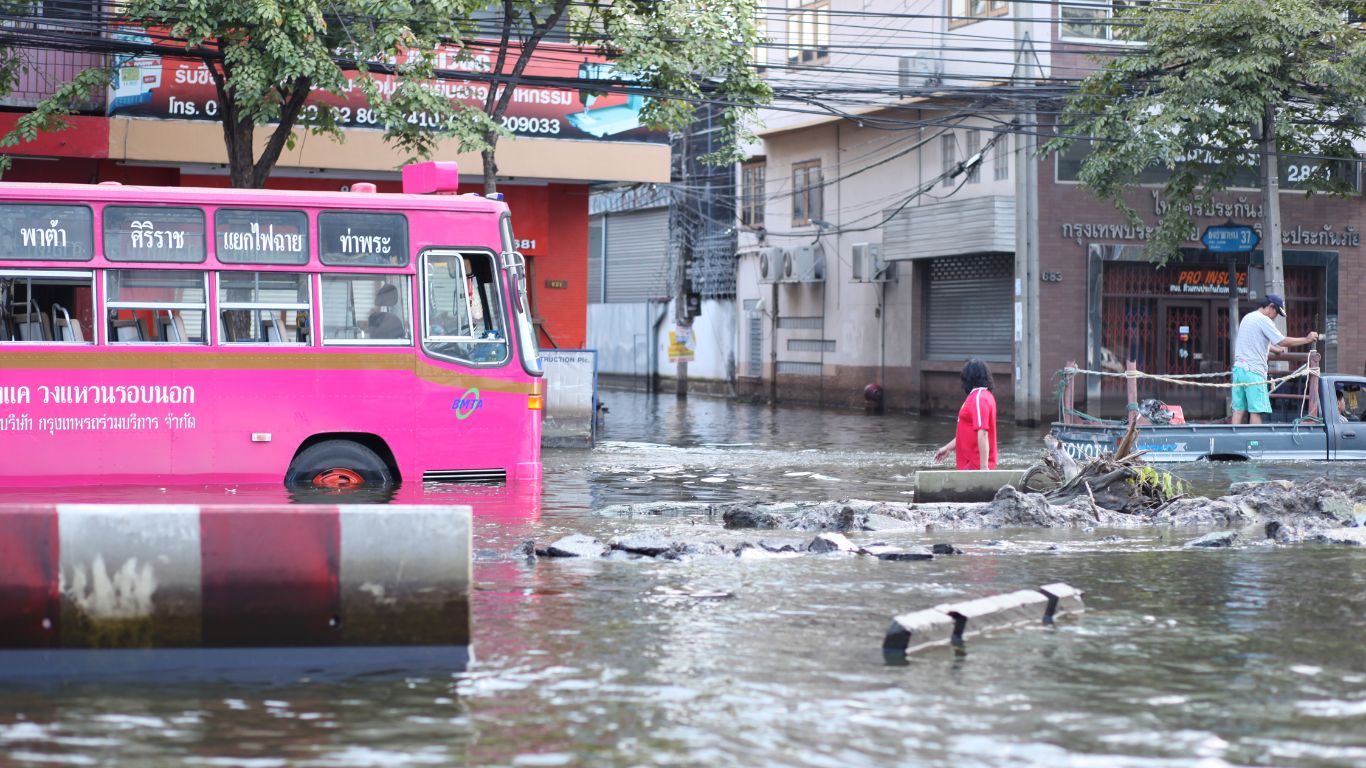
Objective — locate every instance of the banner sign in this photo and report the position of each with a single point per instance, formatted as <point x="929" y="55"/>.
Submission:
<point x="182" y="88"/>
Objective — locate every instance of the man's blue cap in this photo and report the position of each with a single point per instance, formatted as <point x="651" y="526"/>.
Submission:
<point x="1273" y="298"/>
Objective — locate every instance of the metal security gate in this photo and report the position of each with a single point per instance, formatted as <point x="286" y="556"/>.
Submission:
<point x="756" y="346"/>
<point x="969" y="307"/>
<point x="636" y="256"/>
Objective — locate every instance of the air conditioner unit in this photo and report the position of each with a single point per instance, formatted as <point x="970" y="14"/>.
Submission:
<point x="770" y="264"/>
<point x="804" y="264"/>
<point x="869" y="267"/>
<point x="920" y="71"/>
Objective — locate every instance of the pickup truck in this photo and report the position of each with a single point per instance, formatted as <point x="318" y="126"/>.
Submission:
<point x="1329" y="436"/>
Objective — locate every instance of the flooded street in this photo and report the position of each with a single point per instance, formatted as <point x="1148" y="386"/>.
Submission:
<point x="1247" y="656"/>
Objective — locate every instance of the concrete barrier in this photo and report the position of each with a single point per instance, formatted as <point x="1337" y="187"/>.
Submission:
<point x="964" y="485"/>
<point x="952" y="622"/>
<point x="137" y="578"/>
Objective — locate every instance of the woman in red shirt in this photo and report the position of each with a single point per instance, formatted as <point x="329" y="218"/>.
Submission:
<point x="976" y="434"/>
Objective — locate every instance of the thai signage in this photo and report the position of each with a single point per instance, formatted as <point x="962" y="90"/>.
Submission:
<point x="1324" y="235"/>
<point x="43" y="232"/>
<point x="246" y="236"/>
<point x="183" y="88"/>
<point x="1212" y="281"/>
<point x="153" y="233"/>
<point x="360" y="238"/>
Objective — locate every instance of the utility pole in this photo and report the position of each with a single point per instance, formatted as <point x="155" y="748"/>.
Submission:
<point x="685" y="232"/>
<point x="1028" y="402"/>
<point x="1271" y="237"/>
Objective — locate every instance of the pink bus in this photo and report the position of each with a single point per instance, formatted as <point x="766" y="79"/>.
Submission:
<point x="185" y="335"/>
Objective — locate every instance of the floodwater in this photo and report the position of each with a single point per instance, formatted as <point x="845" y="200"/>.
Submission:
<point x="1249" y="656"/>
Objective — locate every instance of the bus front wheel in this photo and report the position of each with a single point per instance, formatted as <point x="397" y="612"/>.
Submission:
<point x="339" y="464"/>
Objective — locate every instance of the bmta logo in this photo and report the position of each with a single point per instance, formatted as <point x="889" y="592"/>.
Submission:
<point x="465" y="405"/>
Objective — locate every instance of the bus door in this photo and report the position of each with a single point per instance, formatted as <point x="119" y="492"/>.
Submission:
<point x="470" y="412"/>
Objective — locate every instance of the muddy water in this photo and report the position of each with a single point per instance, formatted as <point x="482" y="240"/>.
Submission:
<point x="1244" y="657"/>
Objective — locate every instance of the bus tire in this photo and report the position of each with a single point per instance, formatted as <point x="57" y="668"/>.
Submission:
<point x="340" y="464"/>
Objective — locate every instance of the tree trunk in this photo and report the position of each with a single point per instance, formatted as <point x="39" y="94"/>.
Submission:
<point x="241" y="166"/>
<point x="490" y="164"/>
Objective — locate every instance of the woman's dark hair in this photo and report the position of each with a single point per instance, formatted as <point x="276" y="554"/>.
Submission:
<point x="976" y="374"/>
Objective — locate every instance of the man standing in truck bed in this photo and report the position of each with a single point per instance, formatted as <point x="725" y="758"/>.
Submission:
<point x="1257" y="334"/>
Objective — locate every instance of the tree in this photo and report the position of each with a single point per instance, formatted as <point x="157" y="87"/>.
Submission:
<point x="267" y="57"/>
<point x="1194" y="98"/>
<point x="683" y="52"/>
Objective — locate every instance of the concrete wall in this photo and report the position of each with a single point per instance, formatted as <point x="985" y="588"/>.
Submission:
<point x="622" y="335"/>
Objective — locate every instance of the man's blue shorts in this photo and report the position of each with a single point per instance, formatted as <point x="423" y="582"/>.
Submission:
<point x="1254" y="398"/>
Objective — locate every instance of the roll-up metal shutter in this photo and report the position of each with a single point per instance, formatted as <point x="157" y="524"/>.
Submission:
<point x="969" y="307"/>
<point x="637" y="256"/>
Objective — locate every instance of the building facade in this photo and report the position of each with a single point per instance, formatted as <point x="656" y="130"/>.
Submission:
<point x="883" y="244"/>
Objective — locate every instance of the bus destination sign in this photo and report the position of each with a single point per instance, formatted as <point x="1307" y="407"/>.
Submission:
<point x="42" y="232"/>
<point x="154" y="233"/>
<point x="261" y="237"/>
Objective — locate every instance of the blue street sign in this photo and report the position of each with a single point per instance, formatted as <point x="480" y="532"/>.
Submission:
<point x="1230" y="238"/>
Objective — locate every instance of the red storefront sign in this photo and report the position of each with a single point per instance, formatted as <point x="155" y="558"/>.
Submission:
<point x="182" y="88"/>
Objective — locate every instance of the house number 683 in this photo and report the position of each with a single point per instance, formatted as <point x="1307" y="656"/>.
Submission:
<point x="1052" y="277"/>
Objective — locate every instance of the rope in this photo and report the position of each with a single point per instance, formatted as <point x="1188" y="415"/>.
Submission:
<point x="1185" y="379"/>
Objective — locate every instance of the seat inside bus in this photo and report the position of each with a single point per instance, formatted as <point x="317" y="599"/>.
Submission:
<point x="44" y="308"/>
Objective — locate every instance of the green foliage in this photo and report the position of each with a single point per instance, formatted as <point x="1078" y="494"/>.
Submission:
<point x="1158" y="484"/>
<point x="48" y="115"/>
<point x="268" y="55"/>
<point x="1191" y="98"/>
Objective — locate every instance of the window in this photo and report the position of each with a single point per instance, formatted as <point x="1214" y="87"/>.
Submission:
<point x="806" y="192"/>
<point x="948" y="144"/>
<point x="159" y="306"/>
<point x="153" y="233"/>
<point x="1002" y="159"/>
<point x="52" y="306"/>
<point x="752" y="195"/>
<point x="263" y="308"/>
<point x="808" y="32"/>
<point x="972" y="11"/>
<point x="760" y="53"/>
<point x="46" y="232"/>
<point x="464" y="318"/>
<point x="1094" y="22"/>
<point x="261" y="237"/>
<point x="362" y="239"/>
<point x="972" y="142"/>
<point x="366" y="309"/>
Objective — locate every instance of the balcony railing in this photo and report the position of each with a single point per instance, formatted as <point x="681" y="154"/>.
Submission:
<point x="45" y="70"/>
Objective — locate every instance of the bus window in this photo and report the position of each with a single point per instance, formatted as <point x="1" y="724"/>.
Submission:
<point x="55" y="307"/>
<point x="263" y="308"/>
<point x="464" y="309"/>
<point x="156" y="306"/>
<point x="366" y="309"/>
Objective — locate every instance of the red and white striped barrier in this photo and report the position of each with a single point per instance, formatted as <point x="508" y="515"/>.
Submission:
<point x="113" y="576"/>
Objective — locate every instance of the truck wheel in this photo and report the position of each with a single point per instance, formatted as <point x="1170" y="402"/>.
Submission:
<point x="339" y="464"/>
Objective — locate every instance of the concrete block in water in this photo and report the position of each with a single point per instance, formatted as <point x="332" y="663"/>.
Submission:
<point x="147" y="577"/>
<point x="967" y="485"/>
<point x="998" y="611"/>
<point x="913" y="631"/>
<point x="951" y="622"/>
<point x="1062" y="599"/>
